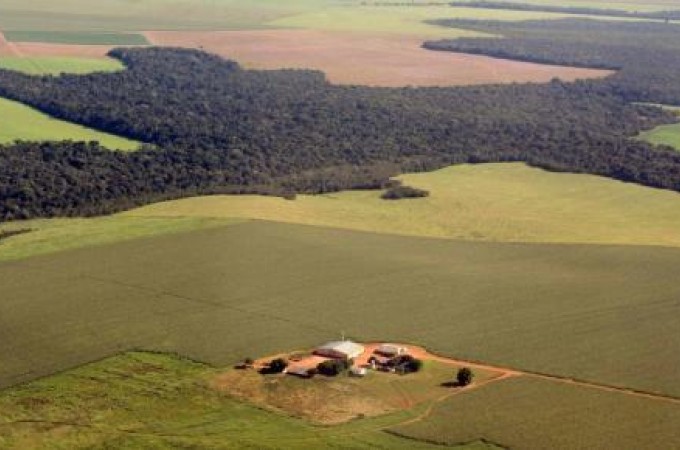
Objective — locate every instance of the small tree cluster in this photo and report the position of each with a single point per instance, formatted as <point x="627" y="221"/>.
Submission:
<point x="399" y="192"/>
<point x="277" y="365"/>
<point x="332" y="367"/>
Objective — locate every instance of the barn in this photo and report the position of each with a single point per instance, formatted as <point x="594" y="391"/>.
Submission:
<point x="340" y="350"/>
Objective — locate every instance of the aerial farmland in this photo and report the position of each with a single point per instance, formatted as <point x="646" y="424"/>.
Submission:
<point x="339" y="224"/>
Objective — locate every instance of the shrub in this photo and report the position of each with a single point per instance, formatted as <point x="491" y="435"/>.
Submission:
<point x="332" y="367"/>
<point x="399" y="192"/>
<point x="464" y="376"/>
<point x="277" y="365"/>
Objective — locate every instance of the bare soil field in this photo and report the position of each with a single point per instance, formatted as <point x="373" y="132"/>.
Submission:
<point x="32" y="49"/>
<point x="373" y="60"/>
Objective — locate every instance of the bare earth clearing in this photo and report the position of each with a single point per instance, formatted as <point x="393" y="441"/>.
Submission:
<point x="27" y="49"/>
<point x="373" y="60"/>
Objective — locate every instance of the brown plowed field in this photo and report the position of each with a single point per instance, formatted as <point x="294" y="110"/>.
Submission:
<point x="28" y="49"/>
<point x="382" y="60"/>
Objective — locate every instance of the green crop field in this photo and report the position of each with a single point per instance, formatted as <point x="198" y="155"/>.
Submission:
<point x="256" y="288"/>
<point x="492" y="202"/>
<point x="539" y="206"/>
<point x="55" y="235"/>
<point x="57" y="65"/>
<point x="400" y="19"/>
<point x="536" y="414"/>
<point x="142" y="400"/>
<point x="20" y="122"/>
<point x="75" y="37"/>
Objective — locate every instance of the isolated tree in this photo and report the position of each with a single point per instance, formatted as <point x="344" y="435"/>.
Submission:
<point x="464" y="376"/>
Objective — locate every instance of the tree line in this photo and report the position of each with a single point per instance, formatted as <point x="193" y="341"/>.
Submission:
<point x="213" y="127"/>
<point x="579" y="10"/>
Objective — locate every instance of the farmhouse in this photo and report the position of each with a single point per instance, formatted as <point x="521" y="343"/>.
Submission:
<point x="340" y="350"/>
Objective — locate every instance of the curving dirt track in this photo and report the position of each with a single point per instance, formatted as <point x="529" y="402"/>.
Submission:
<point x="373" y="60"/>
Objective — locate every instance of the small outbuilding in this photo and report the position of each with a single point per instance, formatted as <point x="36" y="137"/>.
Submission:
<point x="358" y="372"/>
<point x="391" y="350"/>
<point x="340" y="350"/>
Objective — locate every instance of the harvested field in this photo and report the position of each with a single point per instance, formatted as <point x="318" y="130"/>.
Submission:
<point x="37" y="49"/>
<point x="256" y="288"/>
<point x="42" y="49"/>
<point x="374" y="60"/>
<point x="530" y="413"/>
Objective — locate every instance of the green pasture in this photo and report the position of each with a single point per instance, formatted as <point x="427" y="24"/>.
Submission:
<point x="488" y="202"/>
<point x="256" y="288"/>
<point x="142" y="400"/>
<point x="663" y="135"/>
<point x="75" y="37"/>
<point x="50" y="65"/>
<point x="535" y="414"/>
<point x="20" y="122"/>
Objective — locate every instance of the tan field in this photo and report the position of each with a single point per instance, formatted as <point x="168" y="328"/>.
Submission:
<point x="366" y="59"/>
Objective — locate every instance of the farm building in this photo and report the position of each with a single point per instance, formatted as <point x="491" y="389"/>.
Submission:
<point x="340" y="350"/>
<point x="390" y="350"/>
<point x="358" y="372"/>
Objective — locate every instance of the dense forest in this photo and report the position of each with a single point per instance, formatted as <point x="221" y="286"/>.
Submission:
<point x="212" y="127"/>
<point x="645" y="54"/>
<point x="580" y="10"/>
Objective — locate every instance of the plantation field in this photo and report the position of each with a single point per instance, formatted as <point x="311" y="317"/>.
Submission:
<point x="55" y="235"/>
<point x="218" y="295"/>
<point x="489" y="202"/>
<point x="142" y="400"/>
<point x="530" y="413"/>
<point x="58" y="65"/>
<point x="20" y="122"/>
<point x="75" y="37"/>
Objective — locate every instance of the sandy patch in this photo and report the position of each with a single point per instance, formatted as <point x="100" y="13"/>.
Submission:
<point x="374" y="60"/>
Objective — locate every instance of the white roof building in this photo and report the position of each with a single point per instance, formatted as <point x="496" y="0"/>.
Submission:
<point x="340" y="350"/>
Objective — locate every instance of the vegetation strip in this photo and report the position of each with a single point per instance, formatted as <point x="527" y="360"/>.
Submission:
<point x="74" y="37"/>
<point x="514" y="6"/>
